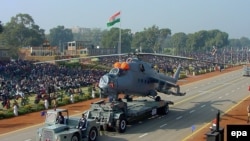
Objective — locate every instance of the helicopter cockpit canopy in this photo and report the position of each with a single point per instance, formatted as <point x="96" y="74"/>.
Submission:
<point x="129" y="60"/>
<point x="114" y="71"/>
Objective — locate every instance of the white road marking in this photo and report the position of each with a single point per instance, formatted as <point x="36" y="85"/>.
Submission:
<point x="227" y="94"/>
<point x="28" y="140"/>
<point x="191" y="111"/>
<point x="203" y="106"/>
<point x="143" y="135"/>
<point x="220" y="97"/>
<point x="178" y="117"/>
<point x="163" y="125"/>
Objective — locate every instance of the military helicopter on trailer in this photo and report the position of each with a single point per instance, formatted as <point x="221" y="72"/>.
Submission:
<point x="138" y="78"/>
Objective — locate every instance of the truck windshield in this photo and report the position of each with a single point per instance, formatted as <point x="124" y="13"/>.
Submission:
<point x="51" y="118"/>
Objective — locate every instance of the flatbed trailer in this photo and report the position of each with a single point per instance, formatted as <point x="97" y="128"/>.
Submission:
<point x="117" y="114"/>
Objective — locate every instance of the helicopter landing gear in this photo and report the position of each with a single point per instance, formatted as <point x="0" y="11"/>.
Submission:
<point x="128" y="97"/>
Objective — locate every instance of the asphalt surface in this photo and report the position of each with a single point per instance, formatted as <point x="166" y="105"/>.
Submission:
<point x="189" y="113"/>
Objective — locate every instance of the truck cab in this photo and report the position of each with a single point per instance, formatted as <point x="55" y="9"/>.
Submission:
<point x="68" y="131"/>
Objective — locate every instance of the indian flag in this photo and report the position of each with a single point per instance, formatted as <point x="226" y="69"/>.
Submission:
<point x="114" y="19"/>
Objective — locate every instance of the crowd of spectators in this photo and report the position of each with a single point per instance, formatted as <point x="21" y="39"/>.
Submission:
<point x="20" y="78"/>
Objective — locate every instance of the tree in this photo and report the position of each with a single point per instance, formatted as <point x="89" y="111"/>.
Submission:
<point x="151" y="39"/>
<point x="234" y="43"/>
<point x="1" y="27"/>
<point x="244" y="42"/>
<point x="110" y="39"/>
<point x="60" y="34"/>
<point x="178" y="42"/>
<point x="22" y="31"/>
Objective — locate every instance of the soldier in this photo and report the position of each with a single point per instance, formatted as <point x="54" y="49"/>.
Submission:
<point x="82" y="125"/>
<point x="60" y="118"/>
<point x="72" y="98"/>
<point x="15" y="109"/>
<point x="46" y="103"/>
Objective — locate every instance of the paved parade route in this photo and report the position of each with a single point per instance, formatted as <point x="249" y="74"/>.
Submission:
<point x="236" y="114"/>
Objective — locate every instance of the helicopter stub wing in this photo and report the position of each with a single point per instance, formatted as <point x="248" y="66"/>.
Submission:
<point x="160" y="80"/>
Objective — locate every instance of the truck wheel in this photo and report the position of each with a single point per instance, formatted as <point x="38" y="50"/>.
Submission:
<point x="121" y="125"/>
<point x="75" y="137"/>
<point x="93" y="134"/>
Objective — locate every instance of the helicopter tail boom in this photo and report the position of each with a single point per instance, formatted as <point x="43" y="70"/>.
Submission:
<point x="177" y="73"/>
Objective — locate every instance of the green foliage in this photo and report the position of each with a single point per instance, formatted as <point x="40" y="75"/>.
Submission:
<point x="60" y="35"/>
<point x="27" y="109"/>
<point x="23" y="110"/>
<point x="110" y="39"/>
<point x="87" y="97"/>
<point x="66" y="100"/>
<point x="178" y="42"/>
<point x="22" y="31"/>
<point x="93" y="35"/>
<point x="151" y="39"/>
<point x="1" y="27"/>
<point x="182" y="76"/>
<point x="6" y="114"/>
<point x="77" y="98"/>
<point x="97" y="95"/>
<point x="39" y="106"/>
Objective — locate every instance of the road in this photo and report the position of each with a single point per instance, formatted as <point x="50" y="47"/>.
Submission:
<point x="189" y="113"/>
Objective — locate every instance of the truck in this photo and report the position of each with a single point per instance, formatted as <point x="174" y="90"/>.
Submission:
<point x="68" y="131"/>
<point x="116" y="115"/>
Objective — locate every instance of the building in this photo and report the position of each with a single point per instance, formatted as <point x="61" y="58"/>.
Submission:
<point x="86" y="48"/>
<point x="77" y="29"/>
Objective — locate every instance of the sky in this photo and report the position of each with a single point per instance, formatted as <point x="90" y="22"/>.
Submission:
<point x="188" y="16"/>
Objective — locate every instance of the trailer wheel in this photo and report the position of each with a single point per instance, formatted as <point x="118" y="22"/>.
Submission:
<point x="93" y="134"/>
<point x="75" y="137"/>
<point x="165" y="109"/>
<point x="121" y="125"/>
<point x="158" y="98"/>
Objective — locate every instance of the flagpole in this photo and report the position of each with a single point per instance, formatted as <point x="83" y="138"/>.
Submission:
<point x="119" y="45"/>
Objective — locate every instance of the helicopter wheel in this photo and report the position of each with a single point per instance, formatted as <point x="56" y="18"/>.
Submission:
<point x="157" y="98"/>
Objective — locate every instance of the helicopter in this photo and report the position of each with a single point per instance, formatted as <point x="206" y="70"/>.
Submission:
<point x="135" y="77"/>
<point x="138" y="78"/>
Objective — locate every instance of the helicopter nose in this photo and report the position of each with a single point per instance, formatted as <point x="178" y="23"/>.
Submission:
<point x="103" y="83"/>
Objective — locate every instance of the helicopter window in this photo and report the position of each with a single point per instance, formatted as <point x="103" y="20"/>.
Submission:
<point x="129" y="60"/>
<point x="142" y="69"/>
<point x="114" y="71"/>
